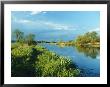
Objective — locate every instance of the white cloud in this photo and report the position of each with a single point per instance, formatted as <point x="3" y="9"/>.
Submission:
<point x="96" y="29"/>
<point x="23" y="21"/>
<point x="14" y="19"/>
<point x="35" y="12"/>
<point x="44" y="12"/>
<point x="58" y="26"/>
<point x="46" y="24"/>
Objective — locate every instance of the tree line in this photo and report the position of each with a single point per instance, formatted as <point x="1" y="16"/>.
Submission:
<point x="20" y="37"/>
<point x="89" y="38"/>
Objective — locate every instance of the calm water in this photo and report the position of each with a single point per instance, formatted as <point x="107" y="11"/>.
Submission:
<point x="87" y="59"/>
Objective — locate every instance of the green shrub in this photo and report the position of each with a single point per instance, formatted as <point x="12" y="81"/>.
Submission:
<point x="14" y="45"/>
<point x="22" y="52"/>
<point x="23" y="61"/>
<point x="51" y="65"/>
<point x="38" y="61"/>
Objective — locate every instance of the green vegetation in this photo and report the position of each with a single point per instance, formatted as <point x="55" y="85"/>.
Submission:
<point x="89" y="39"/>
<point x="63" y="44"/>
<point x="38" y="61"/>
<point x="30" y="38"/>
<point x="18" y="35"/>
<point x="30" y="60"/>
<point x="21" y="39"/>
<point x="51" y="64"/>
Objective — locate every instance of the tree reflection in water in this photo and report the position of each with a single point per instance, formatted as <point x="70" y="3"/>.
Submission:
<point x="89" y="51"/>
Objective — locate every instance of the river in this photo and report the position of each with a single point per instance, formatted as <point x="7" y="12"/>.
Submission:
<point x="86" y="59"/>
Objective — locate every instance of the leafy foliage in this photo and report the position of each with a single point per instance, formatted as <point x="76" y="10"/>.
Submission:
<point x="22" y="61"/>
<point x="50" y="64"/>
<point x="30" y="39"/>
<point x="29" y="59"/>
<point x="18" y="35"/>
<point x="89" y="38"/>
<point x="38" y="61"/>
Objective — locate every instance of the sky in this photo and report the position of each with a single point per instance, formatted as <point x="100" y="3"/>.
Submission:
<point x="55" y="25"/>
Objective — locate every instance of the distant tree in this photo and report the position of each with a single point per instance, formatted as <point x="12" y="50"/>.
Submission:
<point x="89" y="37"/>
<point x="94" y="37"/>
<point x="30" y="39"/>
<point x="18" y="35"/>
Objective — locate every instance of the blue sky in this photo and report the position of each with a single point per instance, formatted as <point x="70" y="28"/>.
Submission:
<point x="55" y="25"/>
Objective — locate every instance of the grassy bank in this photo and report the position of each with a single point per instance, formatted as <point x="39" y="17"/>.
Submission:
<point x="34" y="60"/>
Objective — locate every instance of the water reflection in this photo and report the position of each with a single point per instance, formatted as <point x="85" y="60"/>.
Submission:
<point x="92" y="52"/>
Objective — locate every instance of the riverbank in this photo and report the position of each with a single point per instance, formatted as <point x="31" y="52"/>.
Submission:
<point x="37" y="61"/>
<point x="87" y="59"/>
<point x="62" y="44"/>
<point x="89" y="39"/>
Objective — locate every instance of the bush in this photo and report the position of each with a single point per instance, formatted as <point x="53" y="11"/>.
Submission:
<point x="22" y="61"/>
<point x="14" y="45"/>
<point x="51" y="65"/>
<point x="38" y="61"/>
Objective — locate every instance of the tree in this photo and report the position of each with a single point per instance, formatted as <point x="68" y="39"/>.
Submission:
<point x="30" y="39"/>
<point x="89" y="37"/>
<point x="94" y="36"/>
<point x="18" y="35"/>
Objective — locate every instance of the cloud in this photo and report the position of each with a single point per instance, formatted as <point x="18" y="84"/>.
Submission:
<point x="58" y="26"/>
<point x="44" y="12"/>
<point x="44" y="24"/>
<point x="96" y="29"/>
<point x="23" y="21"/>
<point x="16" y="20"/>
<point x="35" y="12"/>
